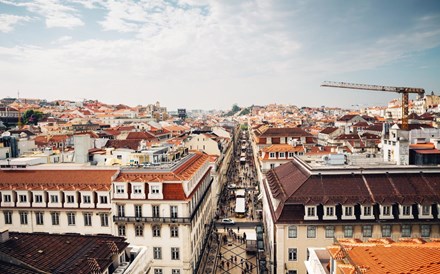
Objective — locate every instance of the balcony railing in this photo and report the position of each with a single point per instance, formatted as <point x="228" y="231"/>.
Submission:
<point x="166" y="220"/>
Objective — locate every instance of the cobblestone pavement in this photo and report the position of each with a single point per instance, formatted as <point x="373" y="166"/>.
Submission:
<point x="241" y="261"/>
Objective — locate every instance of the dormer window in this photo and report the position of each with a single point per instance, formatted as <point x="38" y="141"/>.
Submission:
<point x="282" y="155"/>
<point x="348" y="212"/>
<point x="386" y="210"/>
<point x="311" y="213"/>
<point x="367" y="212"/>
<point x="137" y="189"/>
<point x="329" y="212"/>
<point x="155" y="189"/>
<point x="7" y="198"/>
<point x="120" y="189"/>
<point x="272" y="155"/>
<point x="38" y="198"/>
<point x="70" y="199"/>
<point x="425" y="211"/>
<point x="22" y="198"/>
<point x="291" y="154"/>
<point x="405" y="211"/>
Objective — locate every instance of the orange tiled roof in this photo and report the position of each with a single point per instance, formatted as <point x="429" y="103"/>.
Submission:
<point x="56" y="179"/>
<point x="386" y="256"/>
<point x="283" y="148"/>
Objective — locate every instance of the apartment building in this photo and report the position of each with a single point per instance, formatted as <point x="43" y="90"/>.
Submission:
<point x="308" y="205"/>
<point x="168" y="209"/>
<point x="56" y="200"/>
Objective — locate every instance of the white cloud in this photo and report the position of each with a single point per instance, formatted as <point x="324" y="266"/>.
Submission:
<point x="55" y="13"/>
<point x="8" y="21"/>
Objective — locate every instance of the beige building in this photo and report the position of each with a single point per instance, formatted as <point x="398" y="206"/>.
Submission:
<point x="165" y="208"/>
<point x="308" y="206"/>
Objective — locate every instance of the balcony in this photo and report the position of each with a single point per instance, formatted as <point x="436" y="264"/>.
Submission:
<point x="164" y="220"/>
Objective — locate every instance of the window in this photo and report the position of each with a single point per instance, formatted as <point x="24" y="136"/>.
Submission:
<point x="173" y="210"/>
<point x="155" y="189"/>
<point x="104" y="219"/>
<point x="310" y="211"/>
<point x="55" y="216"/>
<point x="158" y="271"/>
<point x="272" y="166"/>
<point x="387" y="210"/>
<point x="426" y="210"/>
<point x="155" y="211"/>
<point x="175" y="271"/>
<point x="292" y="272"/>
<point x="329" y="211"/>
<point x="7" y="198"/>
<point x="157" y="253"/>
<point x="103" y="199"/>
<point x="139" y="230"/>
<point x="329" y="231"/>
<point x="272" y="155"/>
<point x="38" y="198"/>
<point x="367" y="231"/>
<point x="292" y="254"/>
<point x="138" y="211"/>
<point x="174" y="231"/>
<point x="87" y="219"/>
<point x="121" y="230"/>
<point x="156" y="230"/>
<point x="367" y="210"/>
<point x="70" y="199"/>
<point x="175" y="253"/>
<point x="425" y="230"/>
<point x="8" y="217"/>
<point x="22" y="198"/>
<point x="39" y="218"/>
<point x="86" y="199"/>
<point x="348" y="211"/>
<point x="282" y="155"/>
<point x="71" y="218"/>
<point x="137" y="189"/>
<point x="406" y="210"/>
<point x="54" y="199"/>
<point x="386" y="231"/>
<point x="119" y="157"/>
<point x="292" y="231"/>
<point x="291" y="154"/>
<point x="348" y="231"/>
<point x="311" y="231"/>
<point x="121" y="211"/>
<point x="406" y="231"/>
<point x="120" y="189"/>
<point x="23" y="217"/>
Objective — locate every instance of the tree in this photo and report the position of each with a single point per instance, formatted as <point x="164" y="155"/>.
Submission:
<point x="235" y="108"/>
<point x="31" y="117"/>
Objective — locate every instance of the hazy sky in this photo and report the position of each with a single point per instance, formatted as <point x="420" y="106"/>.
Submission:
<point x="210" y="54"/>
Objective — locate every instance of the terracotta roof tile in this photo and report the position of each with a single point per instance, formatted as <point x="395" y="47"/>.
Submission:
<point x="56" y="179"/>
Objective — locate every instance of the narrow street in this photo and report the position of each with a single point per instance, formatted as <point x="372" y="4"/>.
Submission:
<point x="231" y="247"/>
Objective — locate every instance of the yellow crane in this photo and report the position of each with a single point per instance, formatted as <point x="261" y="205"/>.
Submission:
<point x="403" y="90"/>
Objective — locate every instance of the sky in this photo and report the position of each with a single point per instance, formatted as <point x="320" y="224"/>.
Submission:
<point x="203" y="54"/>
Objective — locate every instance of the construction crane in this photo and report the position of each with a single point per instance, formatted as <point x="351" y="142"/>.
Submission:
<point x="403" y="90"/>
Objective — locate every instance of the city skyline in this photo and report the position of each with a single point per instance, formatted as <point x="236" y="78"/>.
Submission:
<point x="210" y="55"/>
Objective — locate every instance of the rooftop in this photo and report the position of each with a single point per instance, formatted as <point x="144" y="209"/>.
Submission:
<point x="387" y="256"/>
<point x="61" y="253"/>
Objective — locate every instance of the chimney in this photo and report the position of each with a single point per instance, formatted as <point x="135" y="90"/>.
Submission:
<point x="4" y="235"/>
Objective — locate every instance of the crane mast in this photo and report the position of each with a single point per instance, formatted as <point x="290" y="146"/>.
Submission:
<point x="405" y="91"/>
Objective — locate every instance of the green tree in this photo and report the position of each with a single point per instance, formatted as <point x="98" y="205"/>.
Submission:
<point x="235" y="108"/>
<point x="31" y="117"/>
